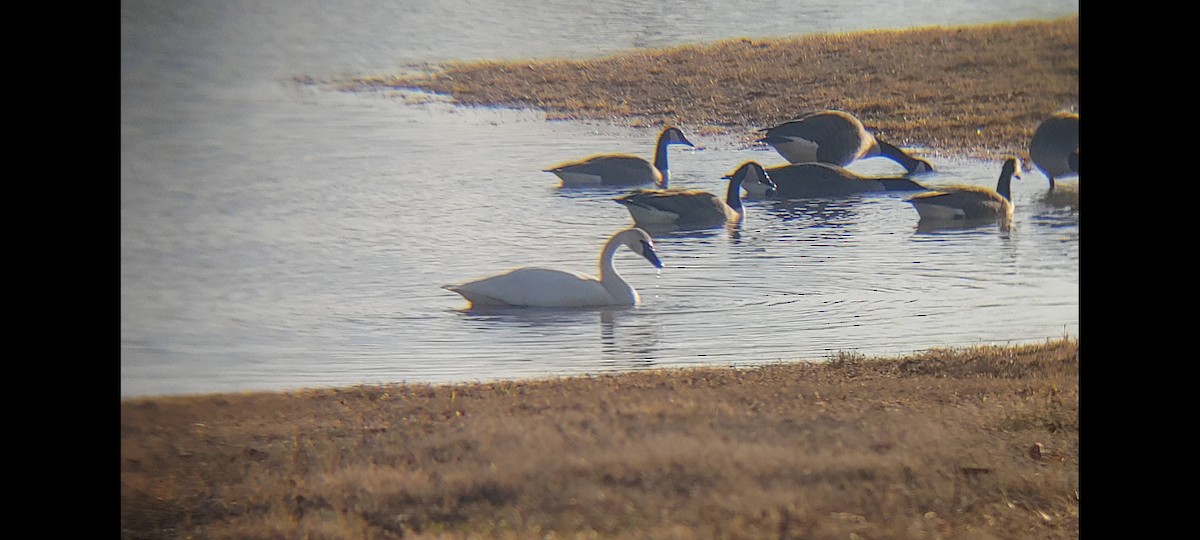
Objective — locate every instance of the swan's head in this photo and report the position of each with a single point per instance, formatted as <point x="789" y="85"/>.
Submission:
<point x="641" y="243"/>
<point x="752" y="178"/>
<point x="673" y="135"/>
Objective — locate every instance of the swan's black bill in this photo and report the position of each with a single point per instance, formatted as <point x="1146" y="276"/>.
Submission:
<point x="648" y="253"/>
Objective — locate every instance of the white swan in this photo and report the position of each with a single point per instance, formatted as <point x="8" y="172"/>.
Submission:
<point x="546" y="287"/>
<point x="622" y="169"/>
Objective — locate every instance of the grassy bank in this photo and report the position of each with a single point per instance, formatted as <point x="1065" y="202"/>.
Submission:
<point x="977" y="91"/>
<point x="980" y="442"/>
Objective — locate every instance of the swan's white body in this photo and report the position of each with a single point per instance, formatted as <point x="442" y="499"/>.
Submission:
<point x="547" y="287"/>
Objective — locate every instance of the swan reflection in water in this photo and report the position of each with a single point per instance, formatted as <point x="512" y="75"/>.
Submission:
<point x="628" y="336"/>
<point x="630" y="345"/>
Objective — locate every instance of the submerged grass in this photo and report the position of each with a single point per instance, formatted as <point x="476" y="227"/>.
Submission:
<point x="981" y="442"/>
<point x="978" y="91"/>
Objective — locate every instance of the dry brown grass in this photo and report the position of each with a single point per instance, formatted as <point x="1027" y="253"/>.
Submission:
<point x="978" y="91"/>
<point x="980" y="442"/>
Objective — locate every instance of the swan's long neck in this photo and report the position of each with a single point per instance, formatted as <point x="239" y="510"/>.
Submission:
<point x="609" y="278"/>
<point x="660" y="160"/>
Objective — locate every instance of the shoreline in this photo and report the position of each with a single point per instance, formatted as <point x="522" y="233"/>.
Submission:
<point x="971" y="91"/>
<point x="561" y="377"/>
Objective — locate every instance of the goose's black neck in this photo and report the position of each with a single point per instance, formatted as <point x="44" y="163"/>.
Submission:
<point x="660" y="157"/>
<point x="733" y="194"/>
<point x="911" y="164"/>
<point x="1004" y="186"/>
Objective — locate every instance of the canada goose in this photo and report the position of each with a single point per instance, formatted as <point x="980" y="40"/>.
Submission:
<point x="1054" y="148"/>
<point x="622" y="169"/>
<point x="836" y="137"/>
<point x="693" y="207"/>
<point x="970" y="202"/>
<point x="545" y="287"/>
<point x="803" y="180"/>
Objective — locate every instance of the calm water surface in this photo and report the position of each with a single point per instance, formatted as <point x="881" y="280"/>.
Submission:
<point x="276" y="235"/>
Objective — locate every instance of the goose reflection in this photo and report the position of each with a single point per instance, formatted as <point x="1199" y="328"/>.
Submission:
<point x="671" y="230"/>
<point x="824" y="212"/>
<point x="928" y="227"/>
<point x="1065" y="195"/>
